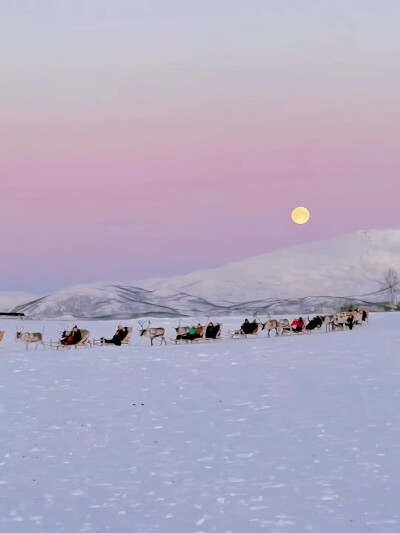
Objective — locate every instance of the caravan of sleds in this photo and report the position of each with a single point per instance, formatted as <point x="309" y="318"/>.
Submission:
<point x="338" y="322"/>
<point x="81" y="338"/>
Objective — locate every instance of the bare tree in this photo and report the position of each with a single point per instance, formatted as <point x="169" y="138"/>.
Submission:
<point x="391" y="284"/>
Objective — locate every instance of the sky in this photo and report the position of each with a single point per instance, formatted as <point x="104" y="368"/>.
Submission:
<point x="150" y="139"/>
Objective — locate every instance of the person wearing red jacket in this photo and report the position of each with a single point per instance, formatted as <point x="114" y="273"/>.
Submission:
<point x="297" y="325"/>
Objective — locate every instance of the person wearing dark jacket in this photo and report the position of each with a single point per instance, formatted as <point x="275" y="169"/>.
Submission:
<point x="246" y="327"/>
<point x="249" y="328"/>
<point x="212" y="331"/>
<point x="350" y="322"/>
<point x="119" y="336"/>
<point x="73" y="337"/>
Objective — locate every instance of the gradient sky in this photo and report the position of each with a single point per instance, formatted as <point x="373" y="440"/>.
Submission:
<point x="152" y="138"/>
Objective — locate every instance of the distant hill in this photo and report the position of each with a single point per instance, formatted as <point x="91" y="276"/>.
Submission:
<point x="8" y="300"/>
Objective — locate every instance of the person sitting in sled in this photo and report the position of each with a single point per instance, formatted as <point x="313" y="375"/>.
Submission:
<point x="194" y="332"/>
<point x="212" y="331"/>
<point x="191" y="335"/>
<point x="350" y="322"/>
<point x="249" y="327"/>
<point x="73" y="337"/>
<point x="297" y="325"/>
<point x="246" y="327"/>
<point x="119" y="336"/>
<point x="254" y="326"/>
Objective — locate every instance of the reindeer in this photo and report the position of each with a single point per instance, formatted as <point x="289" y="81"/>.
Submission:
<point x="182" y="330"/>
<point x="357" y="317"/>
<point x="269" y="325"/>
<point x="329" y="321"/>
<point x="364" y="315"/>
<point x="339" y="321"/>
<point x="30" y="338"/>
<point x="284" y="326"/>
<point x="152" y="333"/>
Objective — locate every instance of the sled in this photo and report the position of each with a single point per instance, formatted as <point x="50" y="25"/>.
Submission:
<point x="124" y="342"/>
<point x="240" y="334"/>
<point x="182" y="331"/>
<point x="83" y="343"/>
<point x="205" y="338"/>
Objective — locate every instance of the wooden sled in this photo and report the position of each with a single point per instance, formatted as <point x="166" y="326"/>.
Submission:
<point x="83" y="343"/>
<point x="205" y="338"/>
<point x="183" y="332"/>
<point x="124" y="342"/>
<point x="240" y="334"/>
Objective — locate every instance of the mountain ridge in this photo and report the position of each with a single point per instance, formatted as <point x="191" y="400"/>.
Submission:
<point x="351" y="252"/>
<point x="318" y="275"/>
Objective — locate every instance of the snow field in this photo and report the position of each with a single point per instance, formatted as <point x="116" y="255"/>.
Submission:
<point x="283" y="435"/>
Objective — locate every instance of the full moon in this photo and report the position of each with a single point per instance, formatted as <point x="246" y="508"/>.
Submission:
<point x="300" y="215"/>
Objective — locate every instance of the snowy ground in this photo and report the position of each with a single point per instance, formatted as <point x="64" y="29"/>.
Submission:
<point x="283" y="435"/>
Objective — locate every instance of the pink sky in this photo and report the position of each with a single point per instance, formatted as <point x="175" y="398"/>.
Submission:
<point x="134" y="150"/>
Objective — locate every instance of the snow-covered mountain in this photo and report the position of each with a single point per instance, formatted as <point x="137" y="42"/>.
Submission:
<point x="351" y="264"/>
<point x="322" y="276"/>
<point x="107" y="301"/>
